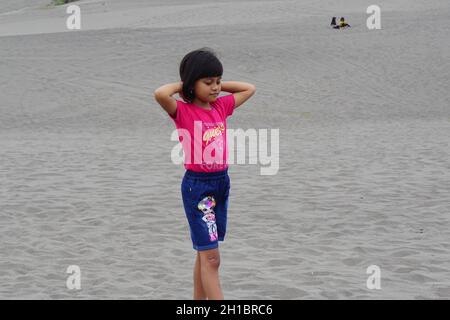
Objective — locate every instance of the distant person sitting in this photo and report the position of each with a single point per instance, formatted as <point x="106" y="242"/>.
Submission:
<point x="333" y="22"/>
<point x="343" y="24"/>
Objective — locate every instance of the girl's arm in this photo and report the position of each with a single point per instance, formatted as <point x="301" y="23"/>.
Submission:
<point x="164" y="96"/>
<point x="242" y="91"/>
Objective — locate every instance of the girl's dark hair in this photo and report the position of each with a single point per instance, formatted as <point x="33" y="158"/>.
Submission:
<point x="197" y="64"/>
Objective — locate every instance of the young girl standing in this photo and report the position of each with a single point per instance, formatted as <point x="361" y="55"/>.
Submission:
<point x="201" y="123"/>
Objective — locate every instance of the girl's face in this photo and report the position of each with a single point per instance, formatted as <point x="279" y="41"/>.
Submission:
<point x="207" y="89"/>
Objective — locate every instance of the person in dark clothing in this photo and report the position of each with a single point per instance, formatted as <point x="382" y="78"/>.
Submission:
<point x="333" y="22"/>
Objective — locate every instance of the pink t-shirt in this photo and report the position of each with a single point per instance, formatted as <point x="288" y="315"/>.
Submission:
<point x="202" y="134"/>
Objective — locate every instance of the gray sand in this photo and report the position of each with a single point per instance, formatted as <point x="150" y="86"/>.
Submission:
<point x="364" y="177"/>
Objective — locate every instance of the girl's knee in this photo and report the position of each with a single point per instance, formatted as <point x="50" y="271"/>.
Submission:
<point x="210" y="258"/>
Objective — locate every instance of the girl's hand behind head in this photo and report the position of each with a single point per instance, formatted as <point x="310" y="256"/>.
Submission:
<point x="180" y="93"/>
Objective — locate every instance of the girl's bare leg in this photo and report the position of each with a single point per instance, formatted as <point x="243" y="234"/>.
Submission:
<point x="199" y="292"/>
<point x="209" y="270"/>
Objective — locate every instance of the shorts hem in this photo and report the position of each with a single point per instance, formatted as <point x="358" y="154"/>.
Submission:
<point x="207" y="247"/>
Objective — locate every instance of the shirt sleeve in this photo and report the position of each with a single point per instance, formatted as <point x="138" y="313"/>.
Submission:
<point x="178" y="113"/>
<point x="227" y="104"/>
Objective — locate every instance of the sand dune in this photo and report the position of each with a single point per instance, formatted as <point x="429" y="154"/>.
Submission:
<point x="364" y="121"/>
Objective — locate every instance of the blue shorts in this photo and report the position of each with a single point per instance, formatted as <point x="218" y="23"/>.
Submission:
<point x="205" y="200"/>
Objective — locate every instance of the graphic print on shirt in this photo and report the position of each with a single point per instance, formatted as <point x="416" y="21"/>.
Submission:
<point x="209" y="216"/>
<point x="213" y="139"/>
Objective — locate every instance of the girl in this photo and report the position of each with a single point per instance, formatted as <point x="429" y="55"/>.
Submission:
<point x="201" y="123"/>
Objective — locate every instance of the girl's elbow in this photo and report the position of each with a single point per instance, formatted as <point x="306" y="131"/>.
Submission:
<point x="157" y="94"/>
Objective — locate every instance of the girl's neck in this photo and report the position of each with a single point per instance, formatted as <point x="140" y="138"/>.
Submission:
<point x="201" y="104"/>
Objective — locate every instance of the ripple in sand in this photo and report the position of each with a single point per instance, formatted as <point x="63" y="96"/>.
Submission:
<point x="404" y="253"/>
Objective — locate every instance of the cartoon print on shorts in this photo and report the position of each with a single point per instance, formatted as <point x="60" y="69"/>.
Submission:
<point x="209" y="216"/>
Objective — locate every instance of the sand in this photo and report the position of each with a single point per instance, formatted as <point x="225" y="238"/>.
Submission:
<point x="364" y="174"/>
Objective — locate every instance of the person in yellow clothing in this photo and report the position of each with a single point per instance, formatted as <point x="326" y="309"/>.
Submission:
<point x="343" y="24"/>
